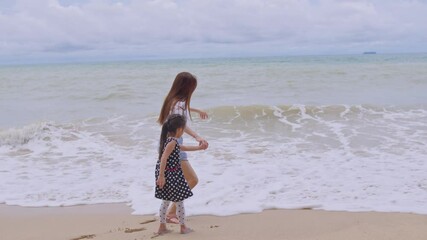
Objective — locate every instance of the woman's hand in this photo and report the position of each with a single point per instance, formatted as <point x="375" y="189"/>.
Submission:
<point x="161" y="181"/>
<point x="202" y="143"/>
<point x="203" y="114"/>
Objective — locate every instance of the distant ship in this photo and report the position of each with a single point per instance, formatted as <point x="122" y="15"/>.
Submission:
<point x="369" y="52"/>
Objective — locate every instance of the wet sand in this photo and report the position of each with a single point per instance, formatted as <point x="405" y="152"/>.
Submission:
<point x="115" y="222"/>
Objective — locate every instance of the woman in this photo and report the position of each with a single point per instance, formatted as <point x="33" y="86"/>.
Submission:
<point x="178" y="102"/>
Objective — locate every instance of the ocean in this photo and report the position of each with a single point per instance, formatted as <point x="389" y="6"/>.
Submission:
<point x="342" y="133"/>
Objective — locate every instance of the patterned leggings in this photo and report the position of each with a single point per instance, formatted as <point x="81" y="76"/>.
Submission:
<point x="180" y="211"/>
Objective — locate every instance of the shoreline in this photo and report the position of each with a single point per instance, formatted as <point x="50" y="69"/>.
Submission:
<point x="115" y="221"/>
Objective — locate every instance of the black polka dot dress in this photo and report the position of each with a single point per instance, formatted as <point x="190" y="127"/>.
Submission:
<point x="176" y="188"/>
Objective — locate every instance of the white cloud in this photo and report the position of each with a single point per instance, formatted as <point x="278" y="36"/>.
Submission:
<point x="167" y="28"/>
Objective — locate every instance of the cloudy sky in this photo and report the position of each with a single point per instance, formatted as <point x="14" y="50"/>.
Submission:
<point x="91" y="30"/>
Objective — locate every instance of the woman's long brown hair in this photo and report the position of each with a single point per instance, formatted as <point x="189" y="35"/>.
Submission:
<point x="182" y="88"/>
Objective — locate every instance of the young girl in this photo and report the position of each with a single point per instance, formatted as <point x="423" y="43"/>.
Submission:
<point x="170" y="181"/>
<point x="178" y="102"/>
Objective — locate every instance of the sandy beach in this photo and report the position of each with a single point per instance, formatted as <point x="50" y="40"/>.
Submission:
<point x="114" y="221"/>
<point x="304" y="120"/>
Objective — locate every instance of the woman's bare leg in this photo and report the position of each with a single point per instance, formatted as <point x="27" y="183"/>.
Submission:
<point x="192" y="180"/>
<point x="189" y="174"/>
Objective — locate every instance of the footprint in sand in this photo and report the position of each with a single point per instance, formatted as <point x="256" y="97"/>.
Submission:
<point x="148" y="221"/>
<point x="131" y="230"/>
<point x="84" y="237"/>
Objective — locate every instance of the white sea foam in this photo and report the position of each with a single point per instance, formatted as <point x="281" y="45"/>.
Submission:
<point x="354" y="158"/>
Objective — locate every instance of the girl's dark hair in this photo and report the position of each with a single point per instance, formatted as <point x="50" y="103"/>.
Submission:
<point x="182" y="88"/>
<point x="173" y="122"/>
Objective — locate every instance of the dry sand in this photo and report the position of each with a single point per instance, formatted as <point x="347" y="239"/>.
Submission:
<point x="115" y="222"/>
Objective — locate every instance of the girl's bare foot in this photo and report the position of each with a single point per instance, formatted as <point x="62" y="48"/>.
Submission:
<point x="162" y="229"/>
<point x="185" y="230"/>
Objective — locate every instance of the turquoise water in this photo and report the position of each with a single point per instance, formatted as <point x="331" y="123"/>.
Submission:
<point x="78" y="91"/>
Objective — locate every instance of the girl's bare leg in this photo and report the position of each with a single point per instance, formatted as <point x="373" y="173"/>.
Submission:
<point x="192" y="180"/>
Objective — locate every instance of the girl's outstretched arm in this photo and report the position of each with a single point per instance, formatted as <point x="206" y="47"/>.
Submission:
<point x="161" y="181"/>
<point x="192" y="133"/>
<point x="194" y="148"/>
<point x="202" y="114"/>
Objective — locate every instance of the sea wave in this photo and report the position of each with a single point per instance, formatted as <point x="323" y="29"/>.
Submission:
<point x="19" y="136"/>
<point x="337" y="157"/>
<point x="332" y="125"/>
<point x="301" y="111"/>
